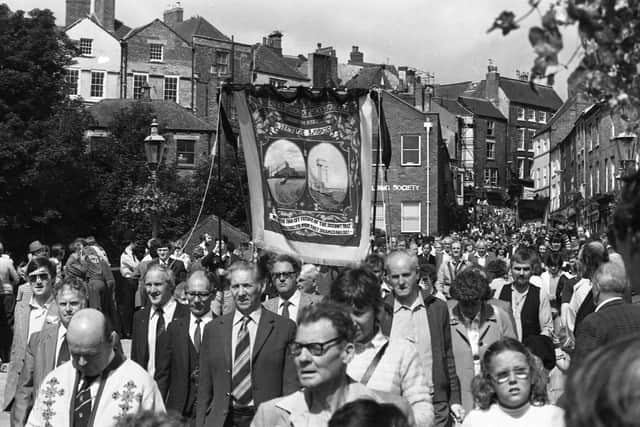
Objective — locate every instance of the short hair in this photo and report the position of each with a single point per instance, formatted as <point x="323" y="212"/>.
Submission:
<point x="358" y="287"/>
<point x="524" y="255"/>
<point x="211" y="279"/>
<point x="168" y="273"/>
<point x="592" y="256"/>
<point x="482" y="387"/>
<point x="611" y="277"/>
<point x="164" y="243"/>
<point x="368" y="412"/>
<point x="413" y="258"/>
<point x="332" y="311"/>
<point x="496" y="268"/>
<point x="39" y="262"/>
<point x="310" y="270"/>
<point x="74" y="284"/>
<point x="244" y="266"/>
<point x="471" y="284"/>
<point x="554" y="259"/>
<point x="295" y="263"/>
<point x="374" y="260"/>
<point x="57" y="250"/>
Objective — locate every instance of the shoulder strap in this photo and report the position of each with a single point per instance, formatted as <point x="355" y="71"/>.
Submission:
<point x="374" y="364"/>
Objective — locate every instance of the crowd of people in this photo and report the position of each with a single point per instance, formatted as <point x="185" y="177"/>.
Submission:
<point x="491" y="326"/>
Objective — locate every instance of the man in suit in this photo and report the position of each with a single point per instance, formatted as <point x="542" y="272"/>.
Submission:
<point x="613" y="317"/>
<point x="165" y="248"/>
<point x="35" y="307"/>
<point x="424" y="320"/>
<point x="178" y="356"/>
<point x="244" y="359"/>
<point x="427" y="257"/>
<point x="48" y="348"/>
<point x="151" y="322"/>
<point x="290" y="301"/>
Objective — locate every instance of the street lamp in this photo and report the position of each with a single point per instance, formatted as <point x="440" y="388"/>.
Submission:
<point x="154" y="147"/>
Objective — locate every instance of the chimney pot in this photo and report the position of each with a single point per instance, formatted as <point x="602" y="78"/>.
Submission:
<point x="105" y="11"/>
<point x="174" y="15"/>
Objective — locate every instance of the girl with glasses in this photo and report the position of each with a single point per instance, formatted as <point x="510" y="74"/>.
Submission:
<point x="511" y="390"/>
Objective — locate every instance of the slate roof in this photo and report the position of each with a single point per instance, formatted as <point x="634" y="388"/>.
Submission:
<point x="453" y="106"/>
<point x="269" y="62"/>
<point x="481" y="107"/>
<point x="376" y="76"/>
<point x="199" y="26"/>
<point x="170" y="115"/>
<point x="452" y="90"/>
<point x="120" y="30"/>
<point x="520" y="91"/>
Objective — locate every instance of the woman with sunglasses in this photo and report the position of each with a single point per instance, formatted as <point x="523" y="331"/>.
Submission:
<point x="512" y="390"/>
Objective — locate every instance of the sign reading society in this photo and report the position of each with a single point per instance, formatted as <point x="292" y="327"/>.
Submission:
<point x="397" y="187"/>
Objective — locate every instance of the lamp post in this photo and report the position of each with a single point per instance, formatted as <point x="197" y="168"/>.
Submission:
<point x="154" y="146"/>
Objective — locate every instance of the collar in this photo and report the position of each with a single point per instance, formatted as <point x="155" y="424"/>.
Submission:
<point x="254" y="315"/>
<point x="34" y="304"/>
<point x="599" y="306"/>
<point x="294" y="300"/>
<point x="206" y="318"/>
<point x="417" y="303"/>
<point x="168" y="306"/>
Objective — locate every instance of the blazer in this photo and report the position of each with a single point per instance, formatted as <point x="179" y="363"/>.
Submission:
<point x="445" y="380"/>
<point x="177" y="361"/>
<point x="495" y="324"/>
<point x="20" y="341"/>
<point x="305" y="300"/>
<point x="614" y="320"/>
<point x="272" y="374"/>
<point x="139" y="341"/>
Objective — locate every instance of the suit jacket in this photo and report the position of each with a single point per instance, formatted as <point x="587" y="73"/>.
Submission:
<point x="139" y="341"/>
<point x="20" y="340"/>
<point x="305" y="300"/>
<point x="614" y="320"/>
<point x="177" y="361"/>
<point x="445" y="380"/>
<point x="272" y="374"/>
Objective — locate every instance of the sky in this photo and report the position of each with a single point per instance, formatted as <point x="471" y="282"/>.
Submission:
<point x="447" y="38"/>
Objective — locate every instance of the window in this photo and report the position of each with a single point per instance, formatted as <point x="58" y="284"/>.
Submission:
<point x="138" y="82"/>
<point x="156" y="52"/>
<point x="530" y="133"/>
<point x="491" y="128"/>
<point x="86" y="47"/>
<point x="222" y="63"/>
<point x="531" y="115"/>
<point x="491" y="149"/>
<point x="410" y="217"/>
<point x="491" y="177"/>
<point x="521" y="138"/>
<point x="277" y="82"/>
<point x="380" y="223"/>
<point x="97" y="84"/>
<point x="186" y="152"/>
<point x="521" y="168"/>
<point x="72" y="78"/>
<point x="541" y="116"/>
<point x="410" y="147"/>
<point x="171" y="89"/>
<point x="520" y="113"/>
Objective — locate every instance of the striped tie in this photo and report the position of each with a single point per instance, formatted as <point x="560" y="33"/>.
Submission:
<point x="241" y="377"/>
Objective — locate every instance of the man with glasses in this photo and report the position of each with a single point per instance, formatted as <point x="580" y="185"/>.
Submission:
<point x="244" y="359"/>
<point x="179" y="351"/>
<point x="150" y="323"/>
<point x="290" y="301"/>
<point x="323" y="347"/>
<point x="34" y="309"/>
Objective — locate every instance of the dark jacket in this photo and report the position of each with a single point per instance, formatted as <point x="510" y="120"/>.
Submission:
<point x="445" y="380"/>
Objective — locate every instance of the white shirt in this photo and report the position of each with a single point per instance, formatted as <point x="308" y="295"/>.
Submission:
<point x="294" y="304"/>
<point x="192" y="325"/>
<point x="167" y="312"/>
<point x="412" y="323"/>
<point x="252" y="326"/>
<point x="37" y="315"/>
<point x="528" y="416"/>
<point x="580" y="292"/>
<point x="62" y="333"/>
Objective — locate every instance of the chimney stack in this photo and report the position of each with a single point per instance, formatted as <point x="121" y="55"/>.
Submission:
<point x="274" y="41"/>
<point x="105" y="11"/>
<point x="76" y="9"/>
<point x="493" y="83"/>
<point x="174" y="15"/>
<point x="356" y="57"/>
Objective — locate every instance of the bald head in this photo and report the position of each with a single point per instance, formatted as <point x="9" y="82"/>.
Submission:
<point x="90" y="342"/>
<point x="610" y="279"/>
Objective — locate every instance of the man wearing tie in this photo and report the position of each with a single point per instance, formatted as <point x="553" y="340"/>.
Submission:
<point x="244" y="359"/>
<point x="290" y="300"/>
<point x="151" y="322"/>
<point x="178" y="356"/>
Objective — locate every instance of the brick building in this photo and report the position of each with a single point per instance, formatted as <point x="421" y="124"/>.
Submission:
<point x="270" y="66"/>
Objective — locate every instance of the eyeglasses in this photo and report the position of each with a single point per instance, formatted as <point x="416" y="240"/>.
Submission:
<point x="503" y="377"/>
<point x="315" y="348"/>
<point x="285" y="274"/>
<point x="202" y="295"/>
<point x="41" y="276"/>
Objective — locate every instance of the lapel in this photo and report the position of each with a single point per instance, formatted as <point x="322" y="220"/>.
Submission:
<point x="49" y="343"/>
<point x="486" y="319"/>
<point x="143" y="342"/>
<point x="226" y="323"/>
<point x="22" y="317"/>
<point x="266" y="325"/>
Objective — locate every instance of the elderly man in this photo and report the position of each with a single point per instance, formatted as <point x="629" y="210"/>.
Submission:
<point x="179" y="353"/>
<point x="481" y="257"/>
<point x="244" y="359"/>
<point x="308" y="279"/>
<point x="323" y="348"/>
<point x="152" y="321"/>
<point x="97" y="386"/>
<point x="450" y="268"/>
<point x="424" y="320"/>
<point x="290" y="300"/>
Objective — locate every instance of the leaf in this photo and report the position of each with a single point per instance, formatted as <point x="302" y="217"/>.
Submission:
<point x="506" y="21"/>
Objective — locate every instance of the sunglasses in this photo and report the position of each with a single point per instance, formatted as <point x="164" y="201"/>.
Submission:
<point x="42" y="276"/>
<point x="315" y="348"/>
<point x="284" y="274"/>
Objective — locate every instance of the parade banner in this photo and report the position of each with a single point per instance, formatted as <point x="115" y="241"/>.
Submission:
<point x="308" y="160"/>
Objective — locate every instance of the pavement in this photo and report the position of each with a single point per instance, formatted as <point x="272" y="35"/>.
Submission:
<point x="4" y="416"/>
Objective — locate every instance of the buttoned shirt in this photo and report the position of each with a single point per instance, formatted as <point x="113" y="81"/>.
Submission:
<point x="62" y="333"/>
<point x="544" y="310"/>
<point x="252" y="326"/>
<point x="208" y="317"/>
<point x="294" y="305"/>
<point x="412" y="323"/>
<point x="167" y="313"/>
<point x="37" y="315"/>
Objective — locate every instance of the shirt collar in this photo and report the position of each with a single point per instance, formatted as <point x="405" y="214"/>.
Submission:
<point x="34" y="304"/>
<point x="168" y="306"/>
<point x="206" y="318"/>
<point x="254" y="315"/>
<point x="419" y="302"/>
<point x="294" y="299"/>
<point x="599" y="306"/>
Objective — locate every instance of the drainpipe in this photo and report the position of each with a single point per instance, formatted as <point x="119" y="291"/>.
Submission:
<point x="427" y="126"/>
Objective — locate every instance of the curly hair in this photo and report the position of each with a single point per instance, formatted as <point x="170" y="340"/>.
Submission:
<point x="497" y="268"/>
<point x="471" y="284"/>
<point x="482" y="386"/>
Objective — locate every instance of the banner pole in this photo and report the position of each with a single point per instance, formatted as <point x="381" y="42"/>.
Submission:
<point x="377" y="160"/>
<point x="218" y="204"/>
